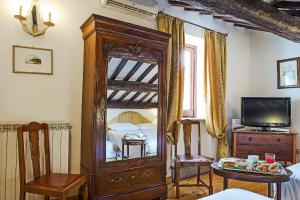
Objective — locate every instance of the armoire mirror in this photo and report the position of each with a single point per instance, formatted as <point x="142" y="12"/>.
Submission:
<point x="132" y="108"/>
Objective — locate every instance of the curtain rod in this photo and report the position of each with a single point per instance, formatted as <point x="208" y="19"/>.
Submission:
<point x="203" y="27"/>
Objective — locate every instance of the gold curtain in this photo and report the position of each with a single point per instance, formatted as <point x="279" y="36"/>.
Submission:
<point x="175" y="73"/>
<point x="215" y="88"/>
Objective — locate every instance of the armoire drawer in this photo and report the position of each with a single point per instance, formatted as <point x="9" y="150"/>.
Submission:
<point x="128" y="180"/>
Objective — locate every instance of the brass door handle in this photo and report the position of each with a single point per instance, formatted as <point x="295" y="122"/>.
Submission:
<point x="132" y="177"/>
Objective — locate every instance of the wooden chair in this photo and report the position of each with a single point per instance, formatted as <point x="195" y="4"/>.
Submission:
<point x="189" y="160"/>
<point x="50" y="184"/>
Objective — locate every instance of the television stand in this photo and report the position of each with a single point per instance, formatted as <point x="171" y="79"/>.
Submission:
<point x="249" y="142"/>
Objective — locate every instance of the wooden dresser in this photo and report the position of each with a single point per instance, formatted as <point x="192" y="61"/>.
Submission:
<point x="247" y="142"/>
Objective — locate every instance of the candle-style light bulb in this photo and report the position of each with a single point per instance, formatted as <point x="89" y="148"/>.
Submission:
<point x="20" y="10"/>
<point x="49" y="16"/>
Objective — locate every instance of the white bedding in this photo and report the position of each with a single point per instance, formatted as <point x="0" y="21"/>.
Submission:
<point x="110" y="153"/>
<point x="236" y="194"/>
<point x="151" y="141"/>
<point x="291" y="190"/>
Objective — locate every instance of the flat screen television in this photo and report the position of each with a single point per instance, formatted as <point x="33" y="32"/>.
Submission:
<point x="266" y="112"/>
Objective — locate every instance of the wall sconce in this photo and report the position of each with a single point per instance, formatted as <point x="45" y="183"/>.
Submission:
<point x="34" y="23"/>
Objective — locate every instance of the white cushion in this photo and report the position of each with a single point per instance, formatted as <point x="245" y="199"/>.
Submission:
<point x="290" y="190"/>
<point x="147" y="126"/>
<point x="236" y="194"/>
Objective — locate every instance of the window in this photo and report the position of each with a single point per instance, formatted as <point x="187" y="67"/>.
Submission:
<point x="190" y="77"/>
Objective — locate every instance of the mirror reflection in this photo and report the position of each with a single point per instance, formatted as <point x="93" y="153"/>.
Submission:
<point x="132" y="96"/>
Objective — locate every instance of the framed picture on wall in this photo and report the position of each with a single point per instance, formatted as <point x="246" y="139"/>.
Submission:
<point x="288" y="73"/>
<point x="31" y="60"/>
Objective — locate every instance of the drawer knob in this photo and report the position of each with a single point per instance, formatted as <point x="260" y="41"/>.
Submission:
<point x="249" y="138"/>
<point x="116" y="180"/>
<point x="147" y="174"/>
<point x="278" y="140"/>
<point x="132" y="177"/>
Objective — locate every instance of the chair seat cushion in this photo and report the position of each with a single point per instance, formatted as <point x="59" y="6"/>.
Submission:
<point x="192" y="158"/>
<point x="56" y="182"/>
<point x="236" y="194"/>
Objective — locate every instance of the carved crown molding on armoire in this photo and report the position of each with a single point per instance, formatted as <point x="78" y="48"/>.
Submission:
<point x="141" y="177"/>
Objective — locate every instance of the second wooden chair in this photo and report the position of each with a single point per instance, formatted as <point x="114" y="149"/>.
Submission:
<point x="189" y="160"/>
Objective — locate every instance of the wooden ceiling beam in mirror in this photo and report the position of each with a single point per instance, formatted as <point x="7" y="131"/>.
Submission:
<point x="133" y="70"/>
<point x="124" y="96"/>
<point x="131" y="105"/>
<point x="154" y="78"/>
<point x="119" y="68"/>
<point x="135" y="96"/>
<point x="144" y="97"/>
<point x="257" y="12"/>
<point x="112" y="95"/>
<point x="128" y="76"/>
<point x="152" y="98"/>
<point x="146" y="72"/>
<point x="131" y="86"/>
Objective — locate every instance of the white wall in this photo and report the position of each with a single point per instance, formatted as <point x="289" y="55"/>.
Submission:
<point x="150" y="114"/>
<point x="266" y="49"/>
<point x="58" y="97"/>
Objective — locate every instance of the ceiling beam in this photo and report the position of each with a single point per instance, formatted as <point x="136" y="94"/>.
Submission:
<point x="133" y="70"/>
<point x="131" y="105"/>
<point x="119" y="68"/>
<point x="150" y="100"/>
<point x="249" y="27"/>
<point x="144" y="97"/>
<point x="131" y="86"/>
<point x="146" y="72"/>
<point x="112" y="95"/>
<point x="153" y="79"/>
<point x="255" y="11"/>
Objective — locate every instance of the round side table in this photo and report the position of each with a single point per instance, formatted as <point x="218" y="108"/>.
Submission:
<point x="253" y="177"/>
<point x="131" y="142"/>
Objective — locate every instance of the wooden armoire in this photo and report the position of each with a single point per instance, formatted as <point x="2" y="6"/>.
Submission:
<point x="106" y="40"/>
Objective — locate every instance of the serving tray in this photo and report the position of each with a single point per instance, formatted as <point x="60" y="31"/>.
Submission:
<point x="282" y="170"/>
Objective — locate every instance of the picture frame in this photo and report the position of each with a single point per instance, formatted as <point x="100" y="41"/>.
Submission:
<point x="32" y="60"/>
<point x="288" y="73"/>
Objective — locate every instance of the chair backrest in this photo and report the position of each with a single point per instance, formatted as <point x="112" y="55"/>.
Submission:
<point x="33" y="129"/>
<point x="187" y="133"/>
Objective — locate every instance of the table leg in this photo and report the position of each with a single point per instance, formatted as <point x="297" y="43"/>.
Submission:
<point x="278" y="191"/>
<point x="127" y="151"/>
<point x="225" y="183"/>
<point x="270" y="190"/>
<point x="142" y="146"/>
<point x="123" y="151"/>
